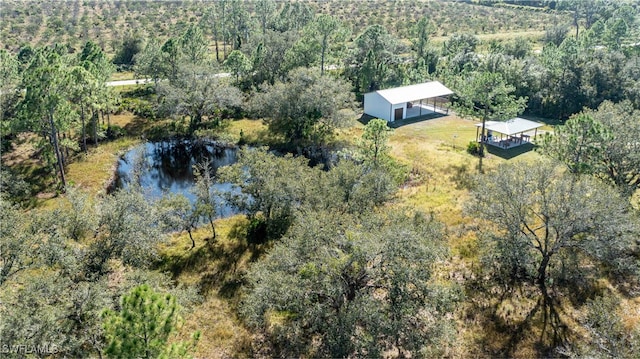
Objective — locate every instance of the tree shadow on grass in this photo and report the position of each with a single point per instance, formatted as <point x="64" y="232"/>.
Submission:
<point x="412" y="120"/>
<point x="539" y="326"/>
<point x="226" y="274"/>
<point x="364" y="119"/>
<point x="223" y="273"/>
<point x="461" y="176"/>
<point x="27" y="169"/>
<point x="220" y="265"/>
<point x="137" y="126"/>
<point x="217" y="264"/>
<point x="180" y="262"/>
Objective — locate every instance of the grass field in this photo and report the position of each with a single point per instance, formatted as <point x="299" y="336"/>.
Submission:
<point x="216" y="269"/>
<point x="437" y="149"/>
<point x="124" y="75"/>
<point x="94" y="171"/>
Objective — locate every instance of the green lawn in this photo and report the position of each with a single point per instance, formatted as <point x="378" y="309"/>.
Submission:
<point x="125" y="75"/>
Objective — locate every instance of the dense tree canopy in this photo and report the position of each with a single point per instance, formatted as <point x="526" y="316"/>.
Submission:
<point x="486" y="95"/>
<point x="271" y="189"/>
<point x="373" y="144"/>
<point x="143" y="325"/>
<point x="198" y="94"/>
<point x="603" y="142"/>
<point x="374" y="60"/>
<point x="238" y="64"/>
<point x="150" y="62"/>
<point x="335" y="288"/>
<point x="48" y="252"/>
<point x="306" y="108"/>
<point x="322" y="37"/>
<point x="267" y="52"/>
<point x="9" y="84"/>
<point x="46" y="109"/>
<point x="15" y="245"/>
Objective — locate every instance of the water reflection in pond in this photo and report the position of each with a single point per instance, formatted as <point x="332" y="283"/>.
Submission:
<point x="167" y="167"/>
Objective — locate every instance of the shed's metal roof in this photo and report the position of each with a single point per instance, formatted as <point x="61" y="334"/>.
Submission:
<point x="512" y="126"/>
<point x="415" y="92"/>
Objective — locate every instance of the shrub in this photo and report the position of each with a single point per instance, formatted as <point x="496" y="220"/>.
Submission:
<point x="139" y="107"/>
<point x="115" y="131"/>
<point x="473" y="148"/>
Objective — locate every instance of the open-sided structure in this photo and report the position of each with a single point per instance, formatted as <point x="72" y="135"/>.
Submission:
<point x="407" y="101"/>
<point x="512" y="133"/>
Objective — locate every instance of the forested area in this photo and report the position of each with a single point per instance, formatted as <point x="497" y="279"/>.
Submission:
<point x="326" y="234"/>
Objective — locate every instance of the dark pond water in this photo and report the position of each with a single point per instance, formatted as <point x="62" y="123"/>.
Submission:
<point x="167" y="167"/>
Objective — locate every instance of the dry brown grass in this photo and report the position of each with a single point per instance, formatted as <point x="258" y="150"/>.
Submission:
<point x="217" y="269"/>
<point x="442" y="171"/>
<point x="92" y="172"/>
<point x="436" y="151"/>
<point x="251" y="130"/>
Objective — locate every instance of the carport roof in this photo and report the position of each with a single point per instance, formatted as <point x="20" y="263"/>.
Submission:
<point x="415" y="92"/>
<point x="512" y="126"/>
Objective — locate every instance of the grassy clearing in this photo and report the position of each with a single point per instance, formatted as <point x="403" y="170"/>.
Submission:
<point x="535" y="36"/>
<point x="216" y="268"/>
<point x="251" y="131"/>
<point x="92" y="172"/>
<point x="442" y="173"/>
<point x="119" y="76"/>
<point x="436" y="151"/>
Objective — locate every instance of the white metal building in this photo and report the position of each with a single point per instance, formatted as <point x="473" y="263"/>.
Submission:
<point x="407" y="101"/>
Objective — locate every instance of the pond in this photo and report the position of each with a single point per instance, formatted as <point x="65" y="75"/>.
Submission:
<point x="167" y="167"/>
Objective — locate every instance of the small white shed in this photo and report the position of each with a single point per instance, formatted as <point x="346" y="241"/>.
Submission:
<point x="407" y="101"/>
